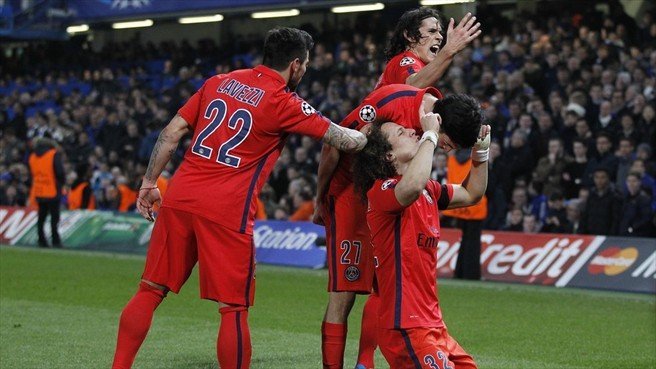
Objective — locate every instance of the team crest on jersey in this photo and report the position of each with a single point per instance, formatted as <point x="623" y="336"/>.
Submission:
<point x="390" y="183"/>
<point x="307" y="108"/>
<point x="427" y="196"/>
<point x="407" y="61"/>
<point x="368" y="113"/>
<point x="352" y="273"/>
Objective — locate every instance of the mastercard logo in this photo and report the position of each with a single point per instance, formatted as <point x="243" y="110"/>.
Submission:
<point x="613" y="261"/>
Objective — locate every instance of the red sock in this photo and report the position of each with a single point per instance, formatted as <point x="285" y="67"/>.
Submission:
<point x="135" y="323"/>
<point x="333" y="342"/>
<point x="233" y="347"/>
<point x="369" y="331"/>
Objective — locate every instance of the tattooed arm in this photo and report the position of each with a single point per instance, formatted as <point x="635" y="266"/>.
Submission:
<point x="166" y="144"/>
<point x="344" y="139"/>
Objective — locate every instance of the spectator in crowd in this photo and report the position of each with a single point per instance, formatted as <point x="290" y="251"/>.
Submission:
<point x="556" y="219"/>
<point x="573" y="216"/>
<point x="604" y="155"/>
<point x="514" y="221"/>
<point x="550" y="168"/>
<point x="647" y="180"/>
<point x="625" y="156"/>
<point x="497" y="189"/>
<point x="574" y="173"/>
<point x="602" y="209"/>
<point x="637" y="214"/>
<point x="519" y="157"/>
<point x="304" y="206"/>
<point x="81" y="195"/>
<point x="530" y="224"/>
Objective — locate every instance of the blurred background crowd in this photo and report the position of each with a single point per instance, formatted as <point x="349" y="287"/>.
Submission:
<point x="570" y="98"/>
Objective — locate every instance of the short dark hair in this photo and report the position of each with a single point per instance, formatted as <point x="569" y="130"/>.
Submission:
<point x="371" y="163"/>
<point x="606" y="135"/>
<point x="283" y="45"/>
<point x="461" y="118"/>
<point x="408" y="24"/>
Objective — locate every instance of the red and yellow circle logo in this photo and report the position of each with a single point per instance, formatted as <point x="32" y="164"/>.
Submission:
<point x="613" y="261"/>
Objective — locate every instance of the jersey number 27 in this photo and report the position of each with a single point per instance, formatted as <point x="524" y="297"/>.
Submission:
<point x="219" y="109"/>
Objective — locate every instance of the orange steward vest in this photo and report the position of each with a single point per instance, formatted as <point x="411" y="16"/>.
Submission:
<point x="44" y="182"/>
<point x="128" y="197"/>
<point x="75" y="197"/>
<point x="456" y="173"/>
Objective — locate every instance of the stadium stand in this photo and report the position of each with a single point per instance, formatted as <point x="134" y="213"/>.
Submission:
<point x="566" y="95"/>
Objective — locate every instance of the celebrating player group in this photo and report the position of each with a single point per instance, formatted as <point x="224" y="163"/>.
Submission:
<point x="375" y="196"/>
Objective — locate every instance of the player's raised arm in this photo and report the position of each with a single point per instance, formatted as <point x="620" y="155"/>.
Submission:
<point x="473" y="187"/>
<point x="344" y="139"/>
<point x="166" y="144"/>
<point x="456" y="40"/>
<point x="417" y="175"/>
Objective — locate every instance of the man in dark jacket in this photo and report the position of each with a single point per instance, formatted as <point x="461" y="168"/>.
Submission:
<point x="601" y="214"/>
<point x="636" y="210"/>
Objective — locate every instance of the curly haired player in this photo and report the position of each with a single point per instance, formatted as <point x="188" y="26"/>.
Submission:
<point x="393" y="174"/>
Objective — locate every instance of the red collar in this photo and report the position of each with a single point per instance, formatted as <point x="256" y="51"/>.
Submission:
<point x="270" y="72"/>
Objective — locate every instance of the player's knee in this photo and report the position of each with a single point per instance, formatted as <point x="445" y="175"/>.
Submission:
<point x="158" y="289"/>
<point x="341" y="303"/>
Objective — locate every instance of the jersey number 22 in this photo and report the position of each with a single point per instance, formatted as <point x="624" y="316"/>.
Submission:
<point x="219" y="109"/>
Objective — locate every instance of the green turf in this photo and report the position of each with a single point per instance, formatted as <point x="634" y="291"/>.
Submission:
<point x="59" y="309"/>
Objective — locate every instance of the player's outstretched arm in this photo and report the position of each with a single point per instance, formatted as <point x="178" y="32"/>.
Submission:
<point x="344" y="139"/>
<point x="473" y="187"/>
<point x="457" y="38"/>
<point x="166" y="144"/>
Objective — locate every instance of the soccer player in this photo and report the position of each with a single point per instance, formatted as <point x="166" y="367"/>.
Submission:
<point x="413" y="53"/>
<point x="350" y="258"/>
<point x="393" y="173"/>
<point x="239" y="121"/>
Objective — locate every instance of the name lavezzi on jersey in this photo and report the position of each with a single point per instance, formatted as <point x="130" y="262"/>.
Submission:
<point x="241" y="92"/>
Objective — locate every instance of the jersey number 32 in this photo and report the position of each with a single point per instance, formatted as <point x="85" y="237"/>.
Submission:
<point x="219" y="109"/>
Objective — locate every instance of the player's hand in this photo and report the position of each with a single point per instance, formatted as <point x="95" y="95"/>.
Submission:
<point x="465" y="32"/>
<point x="483" y="141"/>
<point x="481" y="150"/>
<point x="429" y="121"/>
<point x="148" y="196"/>
<point x="317" y="217"/>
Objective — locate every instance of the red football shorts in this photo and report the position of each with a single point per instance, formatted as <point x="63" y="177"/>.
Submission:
<point x="423" y="348"/>
<point x="349" y="250"/>
<point x="226" y="259"/>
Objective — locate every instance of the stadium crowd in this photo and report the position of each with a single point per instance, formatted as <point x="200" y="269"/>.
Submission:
<point x="571" y="101"/>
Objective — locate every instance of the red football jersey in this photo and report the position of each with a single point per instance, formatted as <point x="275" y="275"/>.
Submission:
<point x="396" y="103"/>
<point x="405" y="246"/>
<point x="240" y="122"/>
<point x="399" y="68"/>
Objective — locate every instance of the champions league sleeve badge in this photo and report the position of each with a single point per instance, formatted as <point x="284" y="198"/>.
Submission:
<point x="368" y="113"/>
<point x="390" y="183"/>
<point x="407" y="61"/>
<point x="307" y="108"/>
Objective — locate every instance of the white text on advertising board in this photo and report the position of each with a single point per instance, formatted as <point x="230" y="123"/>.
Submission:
<point x="266" y="237"/>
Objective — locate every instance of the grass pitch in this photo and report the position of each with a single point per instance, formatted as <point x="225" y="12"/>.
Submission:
<point x="60" y="309"/>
